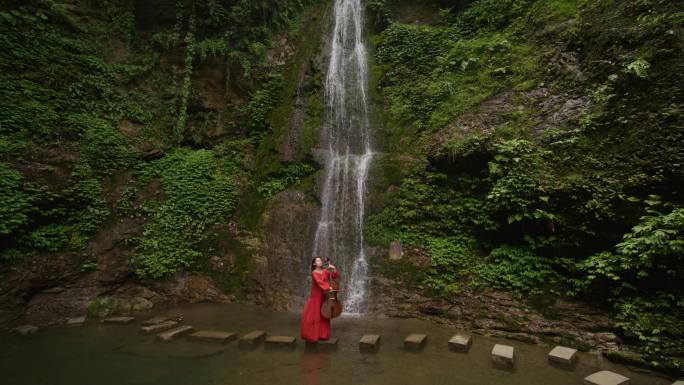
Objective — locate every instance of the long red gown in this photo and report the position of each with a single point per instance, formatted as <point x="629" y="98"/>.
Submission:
<point x="313" y="326"/>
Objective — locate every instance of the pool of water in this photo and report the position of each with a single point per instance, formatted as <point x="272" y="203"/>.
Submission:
<point x="116" y="354"/>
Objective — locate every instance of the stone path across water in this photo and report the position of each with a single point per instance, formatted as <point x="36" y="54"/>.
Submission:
<point x="503" y="356"/>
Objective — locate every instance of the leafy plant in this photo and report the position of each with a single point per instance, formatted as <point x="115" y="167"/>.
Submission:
<point x="280" y="180"/>
<point x="16" y="204"/>
<point x="199" y="191"/>
<point x="518" y="269"/>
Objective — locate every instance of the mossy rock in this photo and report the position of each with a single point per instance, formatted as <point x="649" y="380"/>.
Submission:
<point x="108" y="306"/>
<point x="627" y="357"/>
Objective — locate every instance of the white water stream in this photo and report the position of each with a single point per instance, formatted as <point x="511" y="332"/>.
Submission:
<point x="339" y="235"/>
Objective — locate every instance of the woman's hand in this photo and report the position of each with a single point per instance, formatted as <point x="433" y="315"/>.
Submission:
<point x="331" y="266"/>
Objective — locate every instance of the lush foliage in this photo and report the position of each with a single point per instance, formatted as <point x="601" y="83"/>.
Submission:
<point x="284" y="177"/>
<point x="15" y="204"/>
<point x="199" y="191"/>
<point x="500" y="195"/>
<point x="96" y="110"/>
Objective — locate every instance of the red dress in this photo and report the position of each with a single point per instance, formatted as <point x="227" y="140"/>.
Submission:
<point x="313" y="326"/>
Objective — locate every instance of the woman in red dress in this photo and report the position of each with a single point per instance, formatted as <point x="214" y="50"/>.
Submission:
<point x="313" y="326"/>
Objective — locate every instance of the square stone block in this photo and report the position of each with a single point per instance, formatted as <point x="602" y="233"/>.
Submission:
<point x="119" y="320"/>
<point x="252" y="339"/>
<point x="460" y="343"/>
<point x="155" y="321"/>
<point x="415" y="342"/>
<point x="324" y="345"/>
<point x="216" y="336"/>
<point x="606" y="377"/>
<point x="281" y="342"/>
<point x="175" y="333"/>
<point x="369" y="343"/>
<point x="503" y="355"/>
<point x="76" y="321"/>
<point x="563" y="355"/>
<point x="158" y="328"/>
<point x="25" y="330"/>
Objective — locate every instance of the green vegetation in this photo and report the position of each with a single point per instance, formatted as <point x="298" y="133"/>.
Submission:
<point x="588" y="205"/>
<point x="287" y="176"/>
<point x="199" y="191"/>
<point x="533" y="146"/>
<point x="90" y="100"/>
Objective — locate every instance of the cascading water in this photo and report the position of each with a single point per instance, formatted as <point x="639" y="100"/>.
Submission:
<point x="339" y="235"/>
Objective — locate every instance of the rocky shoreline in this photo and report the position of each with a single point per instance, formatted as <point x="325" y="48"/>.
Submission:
<point x="47" y="292"/>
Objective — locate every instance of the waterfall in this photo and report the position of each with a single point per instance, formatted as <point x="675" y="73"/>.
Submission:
<point x="339" y="235"/>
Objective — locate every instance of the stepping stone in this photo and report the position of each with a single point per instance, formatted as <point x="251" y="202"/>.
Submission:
<point x="213" y="336"/>
<point x="252" y="339"/>
<point x="155" y="321"/>
<point x="76" y="321"/>
<point x="606" y="377"/>
<point x="26" y="330"/>
<point x="329" y="344"/>
<point x="119" y="320"/>
<point x="369" y="343"/>
<point x="175" y="333"/>
<point x="503" y="355"/>
<point x="322" y="345"/>
<point x="415" y="342"/>
<point x="563" y="355"/>
<point x="158" y="328"/>
<point x="680" y="382"/>
<point x="280" y="341"/>
<point x="460" y="343"/>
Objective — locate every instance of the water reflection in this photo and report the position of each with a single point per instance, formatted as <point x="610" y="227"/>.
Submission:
<point x="312" y="365"/>
<point x="117" y="354"/>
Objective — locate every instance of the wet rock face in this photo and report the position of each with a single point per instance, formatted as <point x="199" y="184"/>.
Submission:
<point x="47" y="290"/>
<point x="281" y="270"/>
<point x="499" y="314"/>
<point x="553" y="109"/>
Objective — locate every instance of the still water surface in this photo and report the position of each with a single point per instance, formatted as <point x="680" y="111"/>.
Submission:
<point x="99" y="354"/>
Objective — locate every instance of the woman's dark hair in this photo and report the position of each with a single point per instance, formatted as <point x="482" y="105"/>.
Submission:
<point x="313" y="263"/>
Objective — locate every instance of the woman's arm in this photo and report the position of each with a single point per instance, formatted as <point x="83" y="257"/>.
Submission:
<point x="335" y="274"/>
<point x="320" y="281"/>
<point x="326" y="274"/>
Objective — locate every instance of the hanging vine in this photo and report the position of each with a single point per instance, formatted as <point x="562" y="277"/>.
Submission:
<point x="190" y="48"/>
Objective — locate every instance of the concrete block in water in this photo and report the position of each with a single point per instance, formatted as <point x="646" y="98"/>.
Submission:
<point x="460" y="343"/>
<point x="119" y="320"/>
<point x="369" y="343"/>
<point x="415" y="342"/>
<point x="252" y="338"/>
<point x="76" y="321"/>
<point x="213" y="336"/>
<point x="503" y="355"/>
<point x="680" y="382"/>
<point x="281" y="341"/>
<point x="322" y="345"/>
<point x="563" y="355"/>
<point x="25" y="330"/>
<point x="155" y="321"/>
<point x="175" y="333"/>
<point x="328" y="342"/>
<point x="606" y="377"/>
<point x="158" y="328"/>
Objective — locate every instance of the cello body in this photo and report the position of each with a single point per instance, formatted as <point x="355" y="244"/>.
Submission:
<point x="331" y="306"/>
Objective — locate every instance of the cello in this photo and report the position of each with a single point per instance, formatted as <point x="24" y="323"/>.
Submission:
<point x="331" y="306"/>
